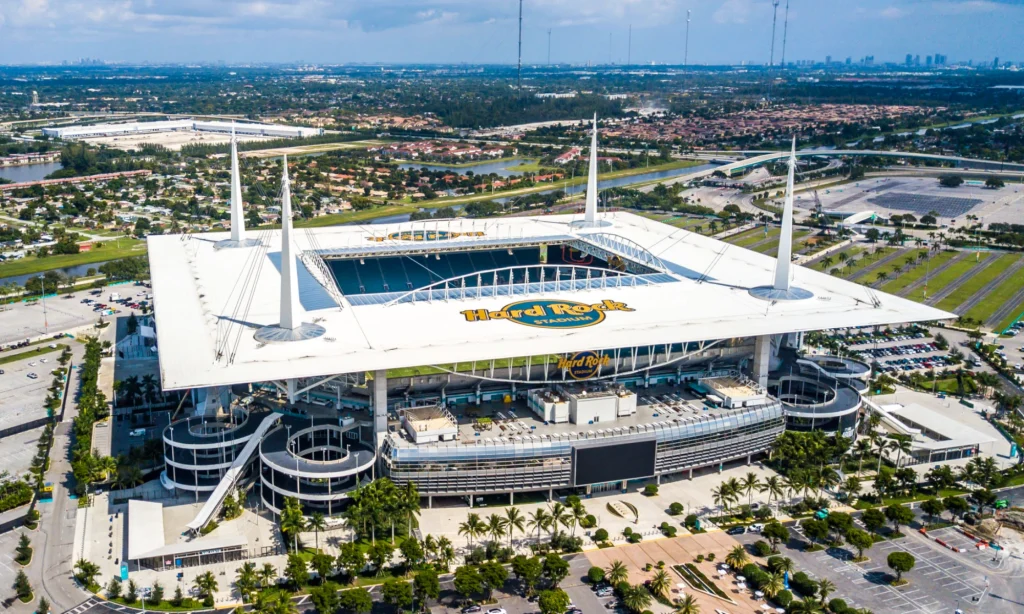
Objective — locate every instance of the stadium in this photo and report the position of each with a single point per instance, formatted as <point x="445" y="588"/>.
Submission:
<point x="490" y="357"/>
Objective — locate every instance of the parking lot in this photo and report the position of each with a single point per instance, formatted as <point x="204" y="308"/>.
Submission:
<point x="908" y="357"/>
<point x="21" y="395"/>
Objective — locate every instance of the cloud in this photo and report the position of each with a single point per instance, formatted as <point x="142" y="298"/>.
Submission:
<point x="893" y="12"/>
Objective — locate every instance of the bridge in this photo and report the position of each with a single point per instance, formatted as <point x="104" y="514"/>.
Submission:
<point x="762" y="157"/>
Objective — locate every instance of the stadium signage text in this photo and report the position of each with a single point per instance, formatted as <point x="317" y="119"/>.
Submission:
<point x="583" y="365"/>
<point x="549" y="313"/>
<point x="424" y="235"/>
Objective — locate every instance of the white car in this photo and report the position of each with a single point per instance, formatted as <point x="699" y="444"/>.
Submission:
<point x="31" y="364"/>
<point x="756" y="528"/>
<point x="497" y="611"/>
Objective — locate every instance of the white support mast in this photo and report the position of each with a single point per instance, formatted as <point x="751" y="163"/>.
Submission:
<point x="237" y="216"/>
<point x="590" y="212"/>
<point x="782" y="288"/>
<point x="291" y="309"/>
<point x="291" y="327"/>
<point x="784" y="260"/>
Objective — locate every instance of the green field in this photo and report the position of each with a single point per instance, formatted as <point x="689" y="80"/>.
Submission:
<point x="749" y="237"/>
<point x="977" y="282"/>
<point x="1017" y="312"/>
<point x="850" y="250"/>
<point x="110" y="250"/>
<point x="870" y="257"/>
<point x="918" y="272"/>
<point x="953" y="272"/>
<point x="353" y="216"/>
<point x="772" y="246"/>
<point x="996" y="298"/>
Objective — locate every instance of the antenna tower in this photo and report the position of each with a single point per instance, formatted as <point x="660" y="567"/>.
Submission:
<point x="549" y="46"/>
<point x="771" y="57"/>
<point x="629" y="47"/>
<point x="785" y="30"/>
<point x="519" y="68"/>
<point x="686" y="45"/>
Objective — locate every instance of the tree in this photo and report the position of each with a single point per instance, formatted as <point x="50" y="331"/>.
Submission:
<point x="325" y="598"/>
<point x="350" y="559"/>
<point x="296" y="571"/>
<point x="748" y="484"/>
<point x="426" y="585"/>
<point x="898" y="516"/>
<point x="825" y="588"/>
<point x="267" y="575"/>
<point x="775" y="584"/>
<point x="616" y="573"/>
<point x="957" y="506"/>
<point x="554" y="601"/>
<point x="323" y="563"/>
<point x="274" y="601"/>
<point x="317" y="523"/>
<point x="636" y="598"/>
<point x="380" y="555"/>
<point x="555" y="568"/>
<point x="514" y="520"/>
<point x="472" y="528"/>
<point x="994" y="182"/>
<point x="292" y="521"/>
<point x="156" y="593"/>
<point x="245" y="581"/>
<point x="44" y="606"/>
<point x="496" y="526"/>
<point x="806" y="605"/>
<point x="873" y="519"/>
<point x="687" y="605"/>
<point x="468" y="581"/>
<point x="859" y="539"/>
<point x="951" y="181"/>
<point x="737" y="557"/>
<point x="983" y="498"/>
<point x="206" y="584"/>
<point x="901" y="562"/>
<point x="815" y="529"/>
<point x="356" y="600"/>
<point x="132" y="594"/>
<point x="114" y="588"/>
<point x="397" y="593"/>
<point x="22" y="588"/>
<point x="493" y="575"/>
<point x="776" y="534"/>
<point x="412" y="551"/>
<point x="932" y="507"/>
<point x="660" y="583"/>
<point x="528" y="571"/>
<point x="86" y="572"/>
<point x="540" y="520"/>
<point x="595" y="575"/>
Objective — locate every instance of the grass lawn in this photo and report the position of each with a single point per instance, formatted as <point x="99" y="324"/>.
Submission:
<point x="870" y="257"/>
<point x="772" y="246"/>
<point x="39" y="351"/>
<point x="749" y="237"/>
<point x="996" y="298"/>
<point x="852" y="251"/>
<point x="110" y="250"/>
<point x="311" y="149"/>
<point x="977" y="282"/>
<point x="678" y="221"/>
<point x="354" y="216"/>
<point x="918" y="272"/>
<point x="1017" y="312"/>
<point x="531" y="166"/>
<point x="953" y="272"/>
<point x="527" y="162"/>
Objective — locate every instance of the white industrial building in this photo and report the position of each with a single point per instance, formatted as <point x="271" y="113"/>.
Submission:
<point x="180" y="125"/>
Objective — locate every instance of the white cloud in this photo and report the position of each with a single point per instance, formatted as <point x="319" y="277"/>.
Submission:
<point x="893" y="12"/>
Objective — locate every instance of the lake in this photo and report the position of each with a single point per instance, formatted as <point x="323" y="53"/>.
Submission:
<point x="77" y="270"/>
<point x="502" y="168"/>
<point x="602" y="184"/>
<point x="29" y="172"/>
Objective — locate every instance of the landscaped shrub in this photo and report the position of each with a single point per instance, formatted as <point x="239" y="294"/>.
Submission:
<point x="700" y="558"/>
<point x="651" y="490"/>
<point x="635" y="538"/>
<point x="838" y="606"/>
<point x="761" y="548"/>
<point x="803" y="584"/>
<point x="589" y="522"/>
<point x="784" y="598"/>
<point x="675" y="509"/>
<point x="711" y="556"/>
<point x="690" y="522"/>
<point x="601" y="535"/>
<point x="627" y="531"/>
<point x="595" y="575"/>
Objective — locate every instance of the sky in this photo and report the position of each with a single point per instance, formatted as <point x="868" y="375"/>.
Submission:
<point x="484" y="31"/>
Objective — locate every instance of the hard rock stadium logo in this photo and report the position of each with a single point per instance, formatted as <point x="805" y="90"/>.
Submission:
<point x="549" y="313"/>
<point x="583" y="365"/>
<point x="424" y="235"/>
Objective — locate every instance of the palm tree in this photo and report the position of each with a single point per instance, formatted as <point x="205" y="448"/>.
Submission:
<point x="900" y="445"/>
<point x="496" y="526"/>
<point x="687" y="605"/>
<point x="749" y="484"/>
<point x="206" y="583"/>
<point x="514" y="518"/>
<point x="317" y="523"/>
<point x="773" y="486"/>
<point x="559" y="516"/>
<point x="292" y="522"/>
<point x="267" y="575"/>
<point x="863" y="447"/>
<point x="737" y="557"/>
<point x="825" y="588"/>
<point x="577" y="514"/>
<point x="776" y="582"/>
<point x="472" y="528"/>
<point x="807" y="605"/>
<point x="540" y="519"/>
<point x="245" y="582"/>
<point x="660" y="583"/>
<point x="636" y="598"/>
<point x="445" y="552"/>
<point x="616" y="573"/>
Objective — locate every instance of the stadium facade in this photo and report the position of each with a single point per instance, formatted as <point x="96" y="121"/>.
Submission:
<point x="492" y="356"/>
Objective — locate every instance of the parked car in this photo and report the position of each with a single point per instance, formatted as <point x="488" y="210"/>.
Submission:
<point x="736" y="531"/>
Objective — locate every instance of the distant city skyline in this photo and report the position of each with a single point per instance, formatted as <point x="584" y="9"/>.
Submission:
<point x="475" y="31"/>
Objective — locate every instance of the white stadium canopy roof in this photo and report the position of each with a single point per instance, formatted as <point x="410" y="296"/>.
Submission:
<point x="209" y="302"/>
